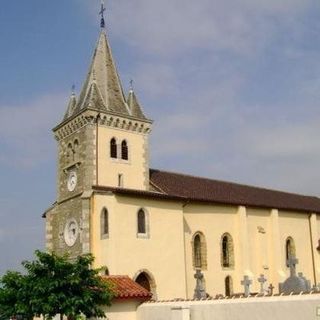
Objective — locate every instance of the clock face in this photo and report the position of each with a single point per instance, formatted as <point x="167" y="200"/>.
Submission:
<point x="71" y="232"/>
<point x="72" y="181"/>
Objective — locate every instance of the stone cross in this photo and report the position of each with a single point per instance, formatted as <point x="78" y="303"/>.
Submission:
<point x="199" y="291"/>
<point x="246" y="282"/>
<point x="262" y="280"/>
<point x="292" y="262"/>
<point x="271" y="287"/>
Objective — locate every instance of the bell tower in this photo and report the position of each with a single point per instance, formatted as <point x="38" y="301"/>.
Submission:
<point x="102" y="141"/>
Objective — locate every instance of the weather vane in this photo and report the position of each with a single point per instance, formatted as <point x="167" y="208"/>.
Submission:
<point x="103" y="9"/>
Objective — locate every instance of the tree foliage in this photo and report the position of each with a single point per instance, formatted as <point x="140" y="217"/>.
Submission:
<point x="53" y="285"/>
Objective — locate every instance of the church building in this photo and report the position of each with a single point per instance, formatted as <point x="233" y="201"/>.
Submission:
<point x="156" y="227"/>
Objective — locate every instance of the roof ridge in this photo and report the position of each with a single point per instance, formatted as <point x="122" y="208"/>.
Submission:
<point x="234" y="183"/>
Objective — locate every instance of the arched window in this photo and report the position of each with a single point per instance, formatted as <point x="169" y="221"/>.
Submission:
<point x="104" y="223"/>
<point x="228" y="286"/>
<point x="113" y="148"/>
<point x="227" y="255"/>
<point x="199" y="251"/>
<point x="124" y="150"/>
<point x="141" y="222"/>
<point x="290" y="249"/>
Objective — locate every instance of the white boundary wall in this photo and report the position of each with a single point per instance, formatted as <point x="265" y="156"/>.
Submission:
<point x="304" y="307"/>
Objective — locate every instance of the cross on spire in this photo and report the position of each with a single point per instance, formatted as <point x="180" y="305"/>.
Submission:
<point x="131" y="85"/>
<point x="103" y="9"/>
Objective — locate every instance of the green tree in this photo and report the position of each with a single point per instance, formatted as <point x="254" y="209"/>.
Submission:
<point x="53" y="285"/>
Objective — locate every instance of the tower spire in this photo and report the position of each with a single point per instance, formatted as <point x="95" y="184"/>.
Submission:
<point x="103" y="9"/>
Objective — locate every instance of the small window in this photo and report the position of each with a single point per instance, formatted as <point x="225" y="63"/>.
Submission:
<point x="70" y="152"/>
<point x="124" y="150"/>
<point x="76" y="150"/>
<point x="120" y="180"/>
<point x="113" y="148"/>
<point x="141" y="222"/>
<point x="104" y="221"/>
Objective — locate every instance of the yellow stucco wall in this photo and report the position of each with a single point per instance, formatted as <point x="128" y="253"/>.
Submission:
<point x="134" y="170"/>
<point x="161" y="254"/>
<point x="259" y="237"/>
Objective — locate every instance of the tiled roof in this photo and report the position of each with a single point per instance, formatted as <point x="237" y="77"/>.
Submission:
<point x="125" y="288"/>
<point x="185" y="188"/>
<point x="207" y="190"/>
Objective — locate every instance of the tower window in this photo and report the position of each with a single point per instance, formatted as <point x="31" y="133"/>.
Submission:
<point x="120" y="180"/>
<point x="124" y="150"/>
<point x="113" y="148"/>
<point x="104" y="223"/>
<point x="76" y="150"/>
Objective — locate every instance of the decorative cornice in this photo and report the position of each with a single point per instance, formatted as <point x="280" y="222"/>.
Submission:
<point x="108" y="119"/>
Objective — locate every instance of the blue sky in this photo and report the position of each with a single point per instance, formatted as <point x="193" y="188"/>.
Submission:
<point x="233" y="87"/>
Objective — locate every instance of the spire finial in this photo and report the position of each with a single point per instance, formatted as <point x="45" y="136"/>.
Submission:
<point x="73" y="88"/>
<point x="131" y="85"/>
<point x="103" y="9"/>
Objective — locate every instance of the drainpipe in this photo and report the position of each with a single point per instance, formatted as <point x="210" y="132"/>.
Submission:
<point x="312" y="251"/>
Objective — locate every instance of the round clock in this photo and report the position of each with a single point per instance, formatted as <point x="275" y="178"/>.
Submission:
<point x="72" y="181"/>
<point x="71" y="232"/>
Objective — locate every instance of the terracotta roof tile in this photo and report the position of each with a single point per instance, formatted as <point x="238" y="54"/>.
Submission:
<point x="125" y="288"/>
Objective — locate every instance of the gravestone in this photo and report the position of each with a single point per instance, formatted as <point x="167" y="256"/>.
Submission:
<point x="262" y="280"/>
<point x="270" y="289"/>
<point x="307" y="282"/>
<point x="294" y="284"/>
<point x="199" y="291"/>
<point x="246" y="282"/>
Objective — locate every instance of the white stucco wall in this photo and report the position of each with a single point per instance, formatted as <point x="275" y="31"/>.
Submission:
<point x="275" y="308"/>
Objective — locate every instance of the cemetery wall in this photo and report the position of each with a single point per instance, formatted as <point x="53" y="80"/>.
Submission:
<point x="296" y="307"/>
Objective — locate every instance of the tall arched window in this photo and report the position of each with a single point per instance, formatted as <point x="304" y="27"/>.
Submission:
<point x="104" y="223"/>
<point x="227" y="254"/>
<point x="290" y="249"/>
<point x="141" y="222"/>
<point x="228" y="286"/>
<point x="199" y="251"/>
<point x="113" y="148"/>
<point x="124" y="150"/>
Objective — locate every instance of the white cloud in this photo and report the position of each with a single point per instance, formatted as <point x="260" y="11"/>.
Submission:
<point x="25" y="133"/>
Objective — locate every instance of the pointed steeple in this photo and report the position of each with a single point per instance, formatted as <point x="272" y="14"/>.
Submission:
<point x="134" y="106"/>
<point x="104" y="74"/>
